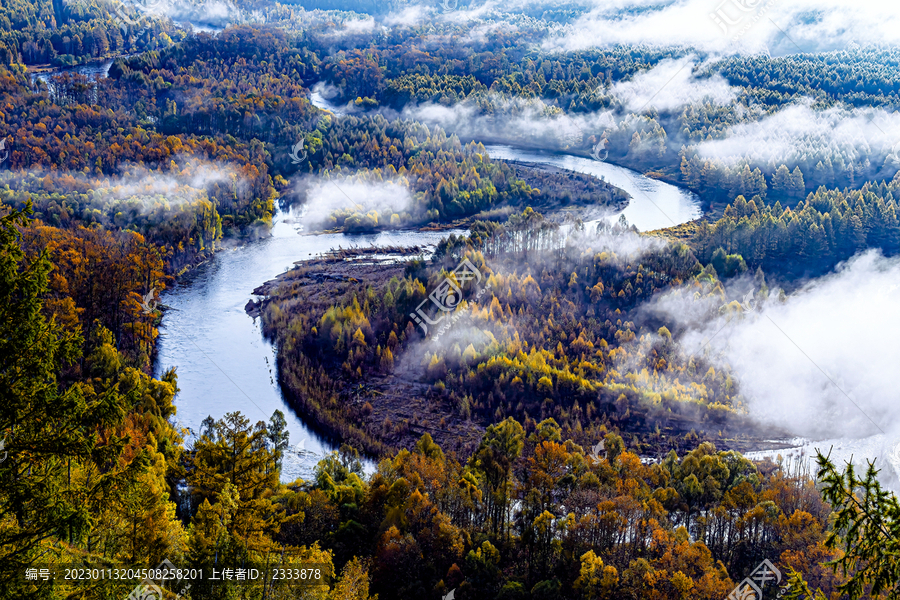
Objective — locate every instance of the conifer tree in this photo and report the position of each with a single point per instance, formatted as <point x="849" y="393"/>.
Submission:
<point x="51" y="431"/>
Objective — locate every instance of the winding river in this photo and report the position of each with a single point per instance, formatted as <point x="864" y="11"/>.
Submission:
<point x="654" y="204"/>
<point x="223" y="362"/>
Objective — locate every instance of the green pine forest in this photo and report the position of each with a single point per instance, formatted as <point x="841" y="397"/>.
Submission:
<point x="113" y="186"/>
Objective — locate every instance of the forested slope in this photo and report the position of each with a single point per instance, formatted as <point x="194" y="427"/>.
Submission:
<point x="112" y="187"/>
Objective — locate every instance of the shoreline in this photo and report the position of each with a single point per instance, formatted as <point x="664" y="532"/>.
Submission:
<point x="49" y="68"/>
<point x="658" y="173"/>
<point x="550" y="210"/>
<point x="407" y="404"/>
<point x="402" y="401"/>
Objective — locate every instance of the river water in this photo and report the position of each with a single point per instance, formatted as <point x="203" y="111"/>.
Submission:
<point x="223" y="362"/>
<point x="100" y="68"/>
<point x="654" y="204"/>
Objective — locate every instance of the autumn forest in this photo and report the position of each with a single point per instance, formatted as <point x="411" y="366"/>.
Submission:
<point x="651" y="355"/>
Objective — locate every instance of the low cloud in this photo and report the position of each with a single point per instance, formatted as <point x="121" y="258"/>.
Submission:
<point x="622" y="245"/>
<point x="481" y="34"/>
<point x="801" y="133"/>
<point x="324" y="198"/>
<point x="138" y="184"/>
<point x="201" y="13"/>
<point x="670" y="85"/>
<point x="512" y="119"/>
<point x="140" y="181"/>
<point x="820" y="364"/>
<point x="346" y="27"/>
<point x="408" y="15"/>
<point x="453" y="10"/>
<point x="731" y="26"/>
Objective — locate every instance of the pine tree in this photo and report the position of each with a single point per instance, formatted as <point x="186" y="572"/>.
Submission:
<point x="781" y="182"/>
<point x="866" y="530"/>
<point x="500" y="446"/>
<point x="50" y="430"/>
<point x="279" y="437"/>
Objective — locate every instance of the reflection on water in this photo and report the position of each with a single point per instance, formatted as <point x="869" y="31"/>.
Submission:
<point x="654" y="204"/>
